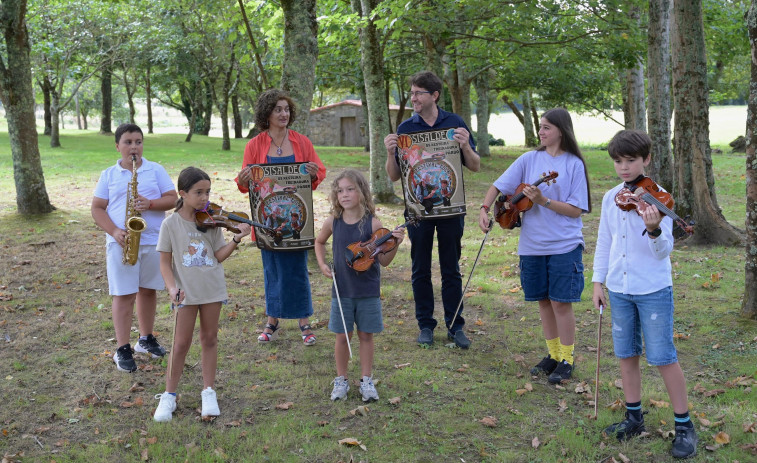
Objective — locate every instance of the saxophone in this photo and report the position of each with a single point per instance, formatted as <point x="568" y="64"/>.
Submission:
<point x="135" y="224"/>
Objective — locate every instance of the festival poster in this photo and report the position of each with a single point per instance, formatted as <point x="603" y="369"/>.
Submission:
<point x="432" y="174"/>
<point x="281" y="198"/>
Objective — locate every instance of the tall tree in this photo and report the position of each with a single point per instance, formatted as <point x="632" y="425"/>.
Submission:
<point x="17" y="97"/>
<point x="106" y="110"/>
<point x="749" y="304"/>
<point x="482" y="114"/>
<point x="301" y="55"/>
<point x="372" y="63"/>
<point x="695" y="185"/>
<point x="658" y="70"/>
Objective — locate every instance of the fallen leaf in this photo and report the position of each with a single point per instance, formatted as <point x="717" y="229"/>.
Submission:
<point x="136" y="387"/>
<point x="152" y="440"/>
<point x="489" y="421"/>
<point x="714" y="392"/>
<point x="322" y="423"/>
<point x="535" y="442"/>
<point x="659" y="403"/>
<point x="520" y="391"/>
<point x="402" y="365"/>
<point x="712" y="448"/>
<point x="582" y="387"/>
<point x="563" y="406"/>
<point x="528" y="387"/>
<point x="394" y="400"/>
<point x="749" y="427"/>
<point x="233" y="424"/>
<point x="619" y="383"/>
<point x="617" y="405"/>
<point x="666" y="434"/>
<point x="704" y="422"/>
<point x="126" y="404"/>
<point x="285" y="406"/>
<point x="624" y="458"/>
<point x="352" y="441"/>
<point x="361" y="410"/>
<point x="144" y="455"/>
<point x="722" y="438"/>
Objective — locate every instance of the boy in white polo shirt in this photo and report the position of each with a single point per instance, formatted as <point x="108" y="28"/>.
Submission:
<point x="130" y="284"/>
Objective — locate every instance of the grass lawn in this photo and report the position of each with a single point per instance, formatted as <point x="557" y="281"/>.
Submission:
<point x="64" y="400"/>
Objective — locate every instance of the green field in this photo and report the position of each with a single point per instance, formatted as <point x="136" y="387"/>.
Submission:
<point x="65" y="401"/>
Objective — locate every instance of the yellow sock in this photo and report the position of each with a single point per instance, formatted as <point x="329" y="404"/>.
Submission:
<point x="554" y="348"/>
<point x="566" y="353"/>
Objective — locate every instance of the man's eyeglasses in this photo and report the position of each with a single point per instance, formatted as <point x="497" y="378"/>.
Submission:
<point x="418" y="93"/>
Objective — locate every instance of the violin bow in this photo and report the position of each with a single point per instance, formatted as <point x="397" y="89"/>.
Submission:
<point x="596" y="379"/>
<point x="491" y="223"/>
<point x="174" y="305"/>
<point x="341" y="311"/>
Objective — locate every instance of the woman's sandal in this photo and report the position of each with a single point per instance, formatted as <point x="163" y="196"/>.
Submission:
<point x="268" y="337"/>
<point x="307" y="339"/>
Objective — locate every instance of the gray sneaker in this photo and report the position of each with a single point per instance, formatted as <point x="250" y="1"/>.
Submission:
<point x="341" y="386"/>
<point x="368" y="390"/>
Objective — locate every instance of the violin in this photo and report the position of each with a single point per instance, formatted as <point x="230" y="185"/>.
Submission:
<point x="360" y="255"/>
<point x="214" y="216"/>
<point x="646" y="192"/>
<point x="507" y="208"/>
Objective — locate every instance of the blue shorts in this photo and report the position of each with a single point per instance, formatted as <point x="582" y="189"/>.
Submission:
<point x="650" y="314"/>
<point x="559" y="277"/>
<point x="365" y="312"/>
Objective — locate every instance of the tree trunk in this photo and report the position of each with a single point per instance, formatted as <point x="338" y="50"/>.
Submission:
<point x="130" y="90"/>
<point x="77" y="108"/>
<point x="192" y="122"/>
<point x="366" y="117"/>
<point x="695" y="185"/>
<point x="207" y="109"/>
<point x="106" y="90"/>
<point x="55" y="113"/>
<point x="46" y="88"/>
<point x="658" y="70"/>
<point x="17" y="96"/>
<point x="237" y="115"/>
<point x="301" y="54"/>
<point x="633" y="102"/>
<point x="148" y="93"/>
<point x="372" y="63"/>
<point x="528" y="122"/>
<point x="749" y="304"/>
<point x="434" y="51"/>
<point x="84" y="120"/>
<point x="482" y="115"/>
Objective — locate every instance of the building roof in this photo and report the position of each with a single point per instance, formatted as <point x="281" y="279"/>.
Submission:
<point x="392" y="107"/>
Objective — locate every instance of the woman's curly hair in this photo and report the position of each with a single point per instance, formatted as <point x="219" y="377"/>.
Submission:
<point x="267" y="102"/>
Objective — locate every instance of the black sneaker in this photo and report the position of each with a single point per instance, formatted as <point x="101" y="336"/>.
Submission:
<point x="150" y="346"/>
<point x="461" y="340"/>
<point x="563" y="372"/>
<point x="627" y="428"/>
<point x="546" y="366"/>
<point x="685" y="442"/>
<point x="124" y="360"/>
<point x="426" y="337"/>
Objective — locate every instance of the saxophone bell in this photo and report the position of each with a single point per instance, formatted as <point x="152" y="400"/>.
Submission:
<point x="134" y="223"/>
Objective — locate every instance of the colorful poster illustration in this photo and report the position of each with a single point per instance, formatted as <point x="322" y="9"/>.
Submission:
<point x="281" y="198"/>
<point x="432" y="174"/>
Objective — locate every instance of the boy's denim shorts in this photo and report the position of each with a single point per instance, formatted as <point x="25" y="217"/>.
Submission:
<point x="559" y="277"/>
<point x="365" y="312"/>
<point x="650" y="314"/>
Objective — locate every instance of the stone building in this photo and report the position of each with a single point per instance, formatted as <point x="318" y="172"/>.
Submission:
<point x="343" y="124"/>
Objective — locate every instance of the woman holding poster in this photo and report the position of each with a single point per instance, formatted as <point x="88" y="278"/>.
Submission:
<point x="287" y="286"/>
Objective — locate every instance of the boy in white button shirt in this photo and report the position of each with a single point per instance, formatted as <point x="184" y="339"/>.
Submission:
<point x="632" y="259"/>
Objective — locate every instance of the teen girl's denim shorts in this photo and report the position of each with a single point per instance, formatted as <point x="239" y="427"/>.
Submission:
<point x="650" y="314"/>
<point x="559" y="277"/>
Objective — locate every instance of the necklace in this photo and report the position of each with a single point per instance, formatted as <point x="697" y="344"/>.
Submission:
<point x="278" y="147"/>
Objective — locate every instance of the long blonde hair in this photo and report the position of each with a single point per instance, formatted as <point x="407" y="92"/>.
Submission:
<point x="364" y="193"/>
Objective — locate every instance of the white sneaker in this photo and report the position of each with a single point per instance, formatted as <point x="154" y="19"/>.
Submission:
<point x="341" y="387"/>
<point x="368" y="390"/>
<point x="166" y="407"/>
<point x="209" y="402"/>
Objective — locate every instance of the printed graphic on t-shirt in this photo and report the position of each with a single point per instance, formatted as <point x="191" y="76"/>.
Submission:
<point x="197" y="255"/>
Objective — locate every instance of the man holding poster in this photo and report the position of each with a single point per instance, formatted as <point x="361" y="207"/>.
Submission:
<point x="425" y="89"/>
